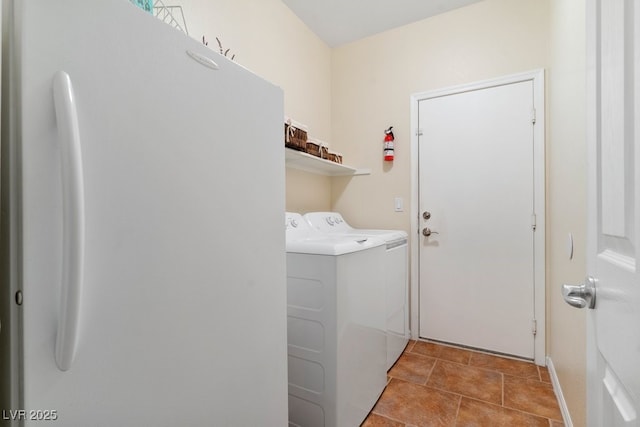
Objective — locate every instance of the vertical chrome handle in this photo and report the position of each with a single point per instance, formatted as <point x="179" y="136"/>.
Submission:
<point x="581" y="296"/>
<point x="73" y="220"/>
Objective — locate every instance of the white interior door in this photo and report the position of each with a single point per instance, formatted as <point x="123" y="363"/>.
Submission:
<point x="476" y="179"/>
<point x="613" y="327"/>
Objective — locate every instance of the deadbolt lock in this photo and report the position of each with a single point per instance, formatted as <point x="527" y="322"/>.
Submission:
<point x="426" y="215"/>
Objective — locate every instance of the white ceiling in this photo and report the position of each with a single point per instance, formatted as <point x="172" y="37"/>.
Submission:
<point x="342" y="21"/>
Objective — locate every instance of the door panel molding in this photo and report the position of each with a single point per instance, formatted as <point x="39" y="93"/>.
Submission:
<point x="538" y="115"/>
<point x="613" y="203"/>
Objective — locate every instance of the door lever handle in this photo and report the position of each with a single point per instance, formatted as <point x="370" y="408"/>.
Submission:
<point x="427" y="232"/>
<point x="581" y="296"/>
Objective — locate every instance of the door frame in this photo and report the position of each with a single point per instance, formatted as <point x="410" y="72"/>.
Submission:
<point x="539" y="170"/>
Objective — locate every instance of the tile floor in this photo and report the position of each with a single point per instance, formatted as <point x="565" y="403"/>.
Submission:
<point x="437" y="385"/>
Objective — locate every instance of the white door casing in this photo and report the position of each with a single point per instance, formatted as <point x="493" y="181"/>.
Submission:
<point x="613" y="132"/>
<point x="480" y="282"/>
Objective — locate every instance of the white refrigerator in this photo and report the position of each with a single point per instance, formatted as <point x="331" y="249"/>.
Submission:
<point x="143" y="254"/>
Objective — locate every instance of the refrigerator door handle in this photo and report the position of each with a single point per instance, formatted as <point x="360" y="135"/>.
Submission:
<point x="73" y="220"/>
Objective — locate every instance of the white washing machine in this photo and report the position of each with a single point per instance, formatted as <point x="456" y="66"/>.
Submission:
<point x="336" y="326"/>
<point x="396" y="273"/>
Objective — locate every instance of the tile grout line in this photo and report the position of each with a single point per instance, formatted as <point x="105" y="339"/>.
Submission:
<point x="531" y="413"/>
<point x="455" y="393"/>
<point x="431" y="371"/>
<point x="507" y="407"/>
<point x="387" y="417"/>
<point x="455" y="419"/>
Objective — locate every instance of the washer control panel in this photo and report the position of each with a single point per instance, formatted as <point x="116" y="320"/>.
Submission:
<point x="291" y="223"/>
<point x="334" y="220"/>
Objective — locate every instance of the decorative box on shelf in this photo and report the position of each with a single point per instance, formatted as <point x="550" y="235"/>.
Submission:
<point x="295" y="135"/>
<point x="334" y="157"/>
<point x="313" y="155"/>
<point x="317" y="148"/>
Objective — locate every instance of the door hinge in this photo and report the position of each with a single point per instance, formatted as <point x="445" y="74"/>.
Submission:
<point x="534" y="326"/>
<point x="533" y="116"/>
<point x="418" y="132"/>
<point x="533" y="222"/>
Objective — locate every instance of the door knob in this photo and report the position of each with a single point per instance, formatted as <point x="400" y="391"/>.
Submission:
<point x="581" y="296"/>
<point x="426" y="215"/>
<point x="427" y="232"/>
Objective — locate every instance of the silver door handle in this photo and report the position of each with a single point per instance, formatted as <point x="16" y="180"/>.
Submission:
<point x="427" y="232"/>
<point x="581" y="296"/>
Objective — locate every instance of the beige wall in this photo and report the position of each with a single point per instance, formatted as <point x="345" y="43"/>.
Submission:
<point x="566" y="198"/>
<point x="373" y="80"/>
<point x="350" y="94"/>
<point x="270" y="40"/>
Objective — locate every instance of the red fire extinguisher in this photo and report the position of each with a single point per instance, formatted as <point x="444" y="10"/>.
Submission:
<point x="388" y="145"/>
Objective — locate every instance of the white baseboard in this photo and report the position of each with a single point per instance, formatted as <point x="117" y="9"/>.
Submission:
<point x="566" y="417"/>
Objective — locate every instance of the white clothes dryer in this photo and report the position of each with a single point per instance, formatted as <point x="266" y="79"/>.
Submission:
<point x="396" y="273"/>
<point x="336" y="326"/>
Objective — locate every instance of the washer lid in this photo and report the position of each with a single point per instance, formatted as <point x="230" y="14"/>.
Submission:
<point x="302" y="238"/>
<point x="332" y="245"/>
<point x="334" y="223"/>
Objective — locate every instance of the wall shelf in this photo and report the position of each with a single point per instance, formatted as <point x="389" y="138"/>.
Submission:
<point x="308" y="163"/>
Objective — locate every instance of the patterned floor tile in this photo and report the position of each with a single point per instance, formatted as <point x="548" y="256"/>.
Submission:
<point x="414" y="368"/>
<point x="531" y="396"/>
<point x="375" y="420"/>
<point x="512" y="367"/>
<point x="418" y="405"/>
<point x="481" y="384"/>
<point x="474" y="413"/>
